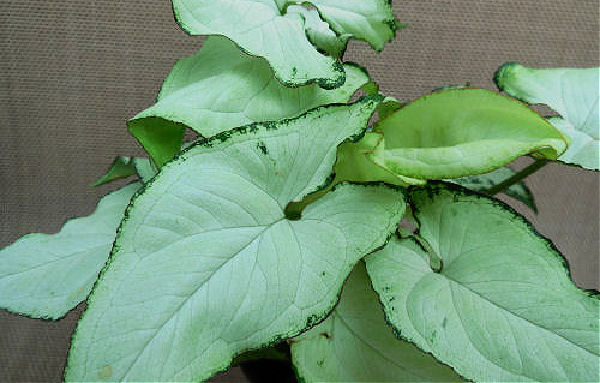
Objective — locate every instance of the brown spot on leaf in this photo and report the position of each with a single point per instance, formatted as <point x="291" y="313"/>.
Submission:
<point x="105" y="372"/>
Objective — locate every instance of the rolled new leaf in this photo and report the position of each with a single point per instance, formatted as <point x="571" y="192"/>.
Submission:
<point x="354" y="163"/>
<point x="207" y="265"/>
<point x="459" y="132"/>
<point x="220" y="88"/>
<point x="46" y="275"/>
<point x="502" y="307"/>
<point x="354" y="344"/>
<point x="573" y="93"/>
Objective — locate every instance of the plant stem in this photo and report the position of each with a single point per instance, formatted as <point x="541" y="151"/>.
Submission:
<point x="435" y="261"/>
<point x="534" y="167"/>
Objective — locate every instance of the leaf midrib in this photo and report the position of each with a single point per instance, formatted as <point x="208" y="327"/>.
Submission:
<point x="200" y="285"/>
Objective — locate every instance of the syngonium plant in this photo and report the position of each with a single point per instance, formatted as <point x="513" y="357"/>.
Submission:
<point x="245" y="237"/>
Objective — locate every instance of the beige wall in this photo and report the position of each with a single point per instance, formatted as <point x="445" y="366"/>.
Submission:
<point x="72" y="72"/>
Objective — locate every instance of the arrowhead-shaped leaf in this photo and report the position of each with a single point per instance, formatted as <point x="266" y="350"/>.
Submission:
<point x="220" y="88"/>
<point x="354" y="344"/>
<point x="46" y="275"/>
<point x="485" y="182"/>
<point x="455" y="133"/>
<point x="206" y="265"/>
<point x="502" y="308"/>
<point x="573" y="93"/>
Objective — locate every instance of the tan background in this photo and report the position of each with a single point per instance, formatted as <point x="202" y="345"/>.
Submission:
<point x="72" y="72"/>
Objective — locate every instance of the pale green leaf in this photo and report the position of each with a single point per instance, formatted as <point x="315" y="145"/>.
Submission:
<point x="584" y="148"/>
<point x="122" y="167"/>
<point x="259" y="28"/>
<point x="279" y="31"/>
<point x="502" y="308"/>
<point x="354" y="344"/>
<point x="454" y="133"/>
<point x="484" y="182"/>
<point x="220" y="88"/>
<point x="319" y="33"/>
<point x="367" y="20"/>
<point x="573" y="93"/>
<point x="145" y="169"/>
<point x="206" y="264"/>
<point x="46" y="275"/>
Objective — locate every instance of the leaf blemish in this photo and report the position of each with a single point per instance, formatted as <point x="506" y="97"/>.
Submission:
<point x="105" y="372"/>
<point x="261" y="146"/>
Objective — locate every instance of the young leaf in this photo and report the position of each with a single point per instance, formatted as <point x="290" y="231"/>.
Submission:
<point x="122" y="167"/>
<point x="160" y="138"/>
<point x="259" y="28"/>
<point x="46" y="275"/>
<point x="354" y="344"/>
<point x="502" y="307"/>
<point x="573" y="93"/>
<point x="206" y="265"/>
<point x="484" y="182"/>
<point x="455" y="133"/>
<point x="219" y="88"/>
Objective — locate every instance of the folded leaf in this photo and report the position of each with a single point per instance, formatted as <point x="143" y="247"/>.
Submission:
<point x="573" y="93"/>
<point x="484" y="182"/>
<point x="584" y="147"/>
<point x="503" y="306"/>
<point x="455" y="133"/>
<point x="354" y="163"/>
<point x="319" y="33"/>
<point x="219" y="88"/>
<point x="206" y="265"/>
<point x="354" y="344"/>
<point x="280" y="31"/>
<point x="122" y="167"/>
<point x="259" y="28"/>
<point x="371" y="20"/>
<point x="46" y="275"/>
